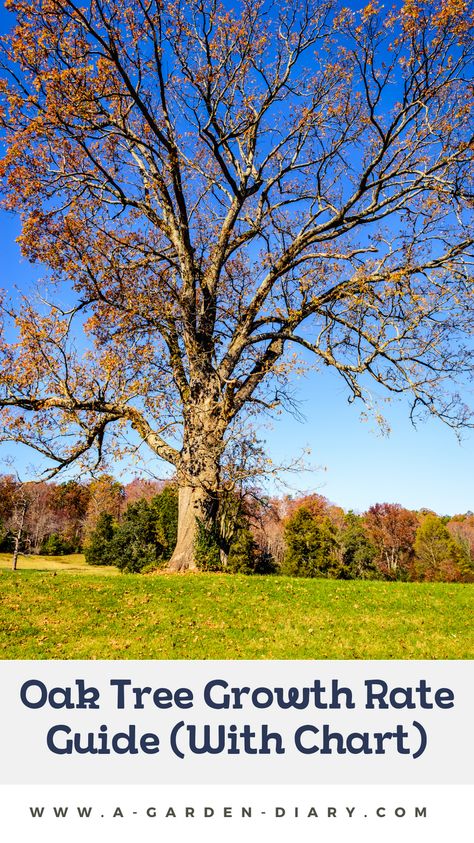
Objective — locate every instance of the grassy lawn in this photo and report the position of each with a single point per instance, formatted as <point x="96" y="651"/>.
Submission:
<point x="72" y="562"/>
<point x="69" y="610"/>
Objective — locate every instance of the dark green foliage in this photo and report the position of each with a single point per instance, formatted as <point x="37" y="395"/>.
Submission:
<point x="146" y="536"/>
<point x="57" y="545"/>
<point x="98" y="548"/>
<point x="207" y="550"/>
<point x="357" y="552"/>
<point x="165" y="513"/>
<point x="244" y="555"/>
<point x="5" y="539"/>
<point x="316" y="547"/>
<point x="241" y="556"/>
<point x="310" y="546"/>
<point x="144" y="539"/>
<point x="135" y="545"/>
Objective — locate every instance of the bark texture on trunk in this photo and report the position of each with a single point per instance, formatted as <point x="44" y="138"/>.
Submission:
<point x="198" y="470"/>
<point x="195" y="505"/>
<point x="198" y="492"/>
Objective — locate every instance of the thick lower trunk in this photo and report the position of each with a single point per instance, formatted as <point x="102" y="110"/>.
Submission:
<point x="198" y="473"/>
<point x="195" y="505"/>
<point x="190" y="508"/>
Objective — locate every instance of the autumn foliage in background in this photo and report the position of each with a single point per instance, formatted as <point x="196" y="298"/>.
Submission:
<point x="134" y="527"/>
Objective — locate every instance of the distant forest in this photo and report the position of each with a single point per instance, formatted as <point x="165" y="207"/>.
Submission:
<point x="134" y="527"/>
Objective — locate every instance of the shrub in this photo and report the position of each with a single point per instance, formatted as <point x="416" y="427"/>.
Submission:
<point x="98" y="548"/>
<point x="57" y="545"/>
<point x="164" y="508"/>
<point x="207" y="549"/>
<point x="146" y="536"/>
<point x="245" y="557"/>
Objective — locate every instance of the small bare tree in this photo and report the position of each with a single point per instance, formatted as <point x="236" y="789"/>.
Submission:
<point x="18" y="521"/>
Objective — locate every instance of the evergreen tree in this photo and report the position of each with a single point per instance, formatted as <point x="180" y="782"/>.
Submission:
<point x="98" y="549"/>
<point x="57" y="545"/>
<point x="244" y="555"/>
<point x="357" y="552"/>
<point x="134" y="542"/>
<point x="310" y="546"/>
<point x="146" y="536"/>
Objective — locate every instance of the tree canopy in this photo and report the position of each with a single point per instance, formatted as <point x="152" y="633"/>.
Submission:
<point x="217" y="188"/>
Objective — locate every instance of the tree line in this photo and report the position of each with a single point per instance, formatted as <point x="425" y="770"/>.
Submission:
<point x="56" y="518"/>
<point x="134" y="527"/>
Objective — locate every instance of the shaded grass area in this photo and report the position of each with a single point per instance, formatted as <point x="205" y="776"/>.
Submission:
<point x="84" y="615"/>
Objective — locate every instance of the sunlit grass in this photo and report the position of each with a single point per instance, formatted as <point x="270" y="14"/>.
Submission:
<point x="70" y="562"/>
<point x="87" y="614"/>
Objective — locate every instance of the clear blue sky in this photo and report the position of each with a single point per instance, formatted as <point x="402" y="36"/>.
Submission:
<point x="426" y="467"/>
<point x="358" y="467"/>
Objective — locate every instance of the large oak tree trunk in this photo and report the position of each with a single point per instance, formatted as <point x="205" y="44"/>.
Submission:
<point x="195" y="505"/>
<point x="198" y="481"/>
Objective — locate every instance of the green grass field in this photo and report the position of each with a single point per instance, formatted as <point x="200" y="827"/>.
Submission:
<point x="68" y="610"/>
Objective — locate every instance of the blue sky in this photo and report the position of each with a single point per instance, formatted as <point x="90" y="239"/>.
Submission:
<point x="419" y="467"/>
<point x="355" y="465"/>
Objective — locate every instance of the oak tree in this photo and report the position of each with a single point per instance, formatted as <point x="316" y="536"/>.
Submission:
<point x="216" y="188"/>
<point x="392" y="530"/>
